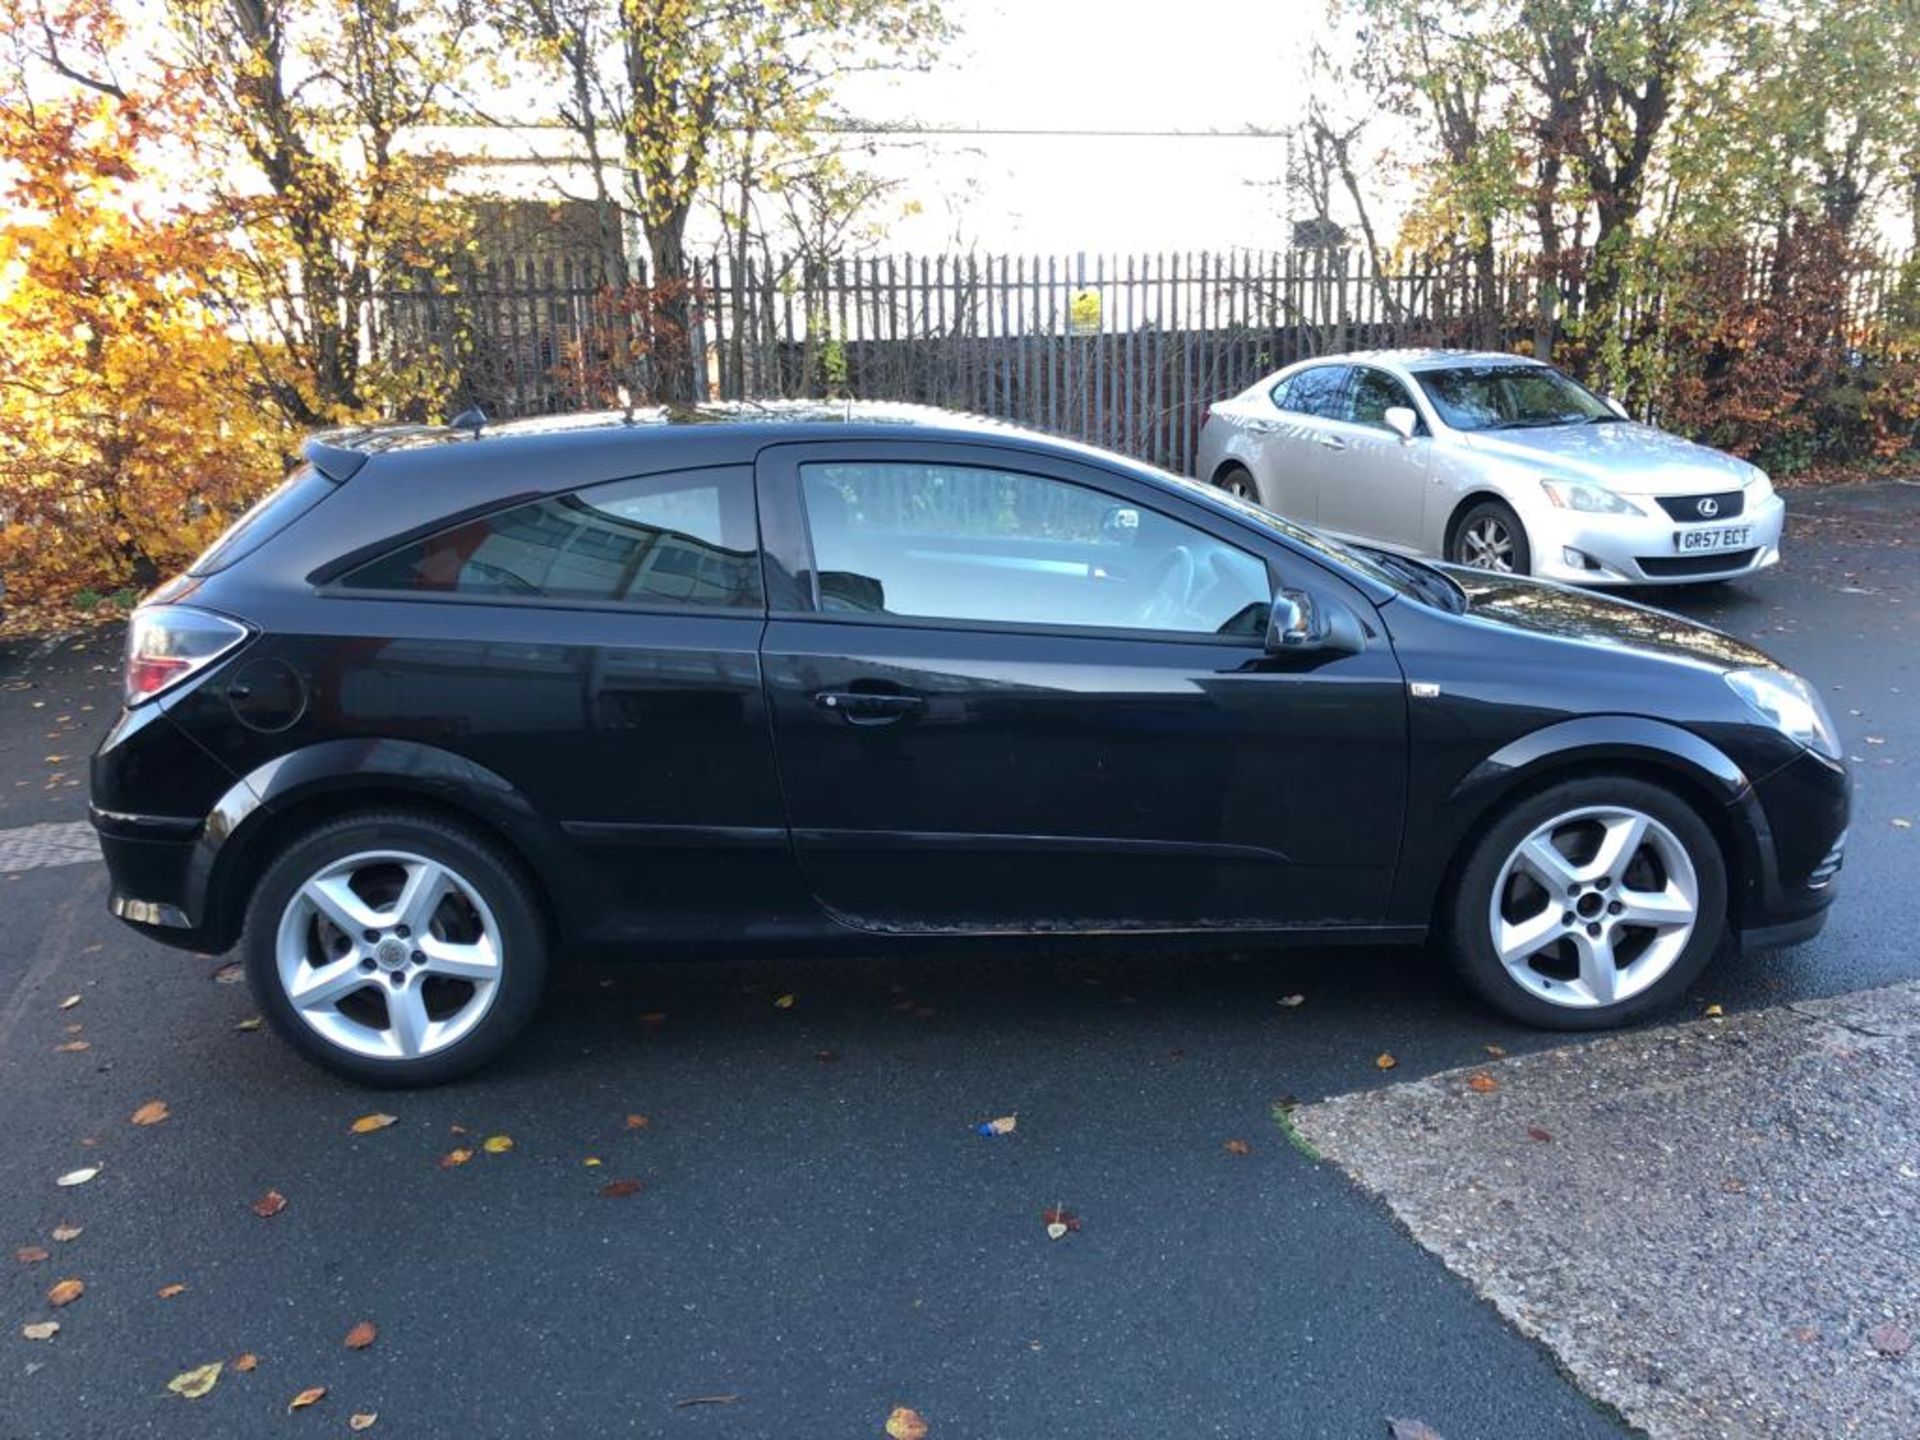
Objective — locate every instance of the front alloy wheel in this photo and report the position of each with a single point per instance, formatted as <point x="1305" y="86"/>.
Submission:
<point x="1590" y="902"/>
<point x="396" y="949"/>
<point x="1491" y="537"/>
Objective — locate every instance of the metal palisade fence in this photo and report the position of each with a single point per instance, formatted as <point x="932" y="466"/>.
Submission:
<point x="1123" y="351"/>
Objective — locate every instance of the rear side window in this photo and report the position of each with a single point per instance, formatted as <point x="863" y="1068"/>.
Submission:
<point x="305" y="488"/>
<point x="681" y="539"/>
<point x="1320" y="391"/>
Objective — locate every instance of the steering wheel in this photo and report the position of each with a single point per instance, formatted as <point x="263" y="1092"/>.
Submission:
<point x="1169" y="588"/>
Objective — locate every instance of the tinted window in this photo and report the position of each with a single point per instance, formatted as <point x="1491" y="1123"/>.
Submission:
<point x="1317" y="391"/>
<point x="297" y="494"/>
<point x="952" y="543"/>
<point x="683" y="539"/>
<point x="1511" y="397"/>
<point x="1374" y="393"/>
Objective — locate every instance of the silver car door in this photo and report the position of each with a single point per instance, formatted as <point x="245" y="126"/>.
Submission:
<point x="1373" y="482"/>
<point x="1294" y="450"/>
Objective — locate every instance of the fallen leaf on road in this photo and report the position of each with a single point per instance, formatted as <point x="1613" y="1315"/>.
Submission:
<point x="1713" y="1012"/>
<point x="167" y="1292"/>
<point x="229" y="974"/>
<point x="1876" y="739"/>
<point x="367" y="1124"/>
<point x="653" y="1019"/>
<point x="305" y="1398"/>
<point x="251" y="1023"/>
<point x="905" y="1424"/>
<point x="783" y="1002"/>
<point x="1482" y="1084"/>
<point x="1386" y="1061"/>
<point x="151" y="1113"/>
<point x="826" y="1057"/>
<point x="1411" y="1430"/>
<point x="246" y="1362"/>
<point x="41" y="1329"/>
<point x="1900" y="824"/>
<point x="497" y="1144"/>
<point x="592" y="1162"/>
<point x="192" y="1384"/>
<point x="1291" y="1002"/>
<point x="638" y="1122"/>
<point x="1890" y="1340"/>
<point x="1237" y="1147"/>
<point x="65" y="1292"/>
<point x="69" y="1002"/>
<point x="1805" y="1334"/>
<point x="362" y="1421"/>
<point x="1060" y="1223"/>
<point x="705" y="1400"/>
<point x="269" y="1204"/>
<point x="31" y="1254"/>
<point x="456" y="1129"/>
<point x="361" y="1335"/>
<point x="1005" y="1125"/>
<point x="72" y="1047"/>
<point x="455" y="1157"/>
<point x="1498" y="1052"/>
<point x="618" y="1189"/>
<point x="64" y="1233"/>
<point x="1534" y="1132"/>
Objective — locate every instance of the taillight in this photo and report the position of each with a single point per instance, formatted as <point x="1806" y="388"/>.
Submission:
<point x="167" y="643"/>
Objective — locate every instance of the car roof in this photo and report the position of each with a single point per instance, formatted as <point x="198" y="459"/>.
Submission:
<point x="561" y="439"/>
<point x="1425" y="359"/>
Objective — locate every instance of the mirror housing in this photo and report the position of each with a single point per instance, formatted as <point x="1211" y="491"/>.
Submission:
<point x="1616" y="407"/>
<point x="1300" y="624"/>
<point x="1121" y="522"/>
<point x="1403" y="420"/>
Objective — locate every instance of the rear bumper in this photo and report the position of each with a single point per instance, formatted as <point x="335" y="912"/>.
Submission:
<point x="152" y="872"/>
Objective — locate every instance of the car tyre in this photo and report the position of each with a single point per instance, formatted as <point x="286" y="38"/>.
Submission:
<point x="1491" y="537"/>
<point x="1674" y="873"/>
<point x="395" y="948"/>
<point x="1238" y="481"/>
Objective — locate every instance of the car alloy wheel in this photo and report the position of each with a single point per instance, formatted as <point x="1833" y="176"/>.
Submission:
<point x="1487" y="544"/>
<point x="1594" y="906"/>
<point x="388" y="954"/>
<point x="1239" y="484"/>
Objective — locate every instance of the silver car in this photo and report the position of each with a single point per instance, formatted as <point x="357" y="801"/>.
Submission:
<point x="1490" y="460"/>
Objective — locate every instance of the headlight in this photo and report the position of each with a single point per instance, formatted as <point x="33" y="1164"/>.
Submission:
<point x="1588" y="499"/>
<point x="1759" y="486"/>
<point x="1790" y="705"/>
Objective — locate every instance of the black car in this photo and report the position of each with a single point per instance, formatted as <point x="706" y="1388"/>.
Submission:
<point x="452" y="702"/>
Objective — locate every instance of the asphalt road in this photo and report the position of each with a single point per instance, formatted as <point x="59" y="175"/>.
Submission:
<point x="821" y="1236"/>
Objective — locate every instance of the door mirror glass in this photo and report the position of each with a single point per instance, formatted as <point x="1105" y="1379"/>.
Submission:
<point x="1122" y="524"/>
<point x="1298" y="624"/>
<point x="1291" y="623"/>
<point x="1403" y="420"/>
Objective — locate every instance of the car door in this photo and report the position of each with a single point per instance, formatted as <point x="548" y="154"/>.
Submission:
<point x="1292" y="440"/>
<point x="1014" y="691"/>
<point x="1373" y="483"/>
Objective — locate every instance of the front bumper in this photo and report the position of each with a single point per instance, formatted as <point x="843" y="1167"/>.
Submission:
<point x="1799" y="816"/>
<point x="1640" y="549"/>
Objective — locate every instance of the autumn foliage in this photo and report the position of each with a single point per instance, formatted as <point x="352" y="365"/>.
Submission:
<point x="129" y="433"/>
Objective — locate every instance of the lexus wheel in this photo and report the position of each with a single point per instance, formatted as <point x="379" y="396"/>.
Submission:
<point x="395" y="949"/>
<point x="1590" y="903"/>
<point x="1238" y="481"/>
<point x="1491" y="537"/>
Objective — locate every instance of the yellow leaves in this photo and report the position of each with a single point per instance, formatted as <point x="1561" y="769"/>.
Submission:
<point x="1482" y="1083"/>
<point x="783" y="1002"/>
<point x="1385" y="1061"/>
<point x="1713" y="1012"/>
<point x="458" y="1156"/>
<point x="242" y="1364"/>
<point x="40" y="1329"/>
<point x="367" y="1124"/>
<point x="1004" y="1125"/>
<point x="77" y="1177"/>
<point x="69" y="1002"/>
<point x="32" y="1254"/>
<point x="151" y="1113"/>
<point x="167" y="1292"/>
<point x="1237" y="1147"/>
<point x="64" y="1233"/>
<point x="497" y="1144"/>
<point x="638" y="1122"/>
<point x="906" y="1424"/>
<point x="310" y="1396"/>
<point x="361" y="1335"/>
<point x="196" y="1383"/>
<point x="65" y="1292"/>
<point x="269" y="1204"/>
<point x="362" y="1420"/>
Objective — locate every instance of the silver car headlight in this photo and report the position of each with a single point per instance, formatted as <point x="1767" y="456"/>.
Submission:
<point x="1790" y="705"/>
<point x="1588" y="499"/>
<point x="1759" y="486"/>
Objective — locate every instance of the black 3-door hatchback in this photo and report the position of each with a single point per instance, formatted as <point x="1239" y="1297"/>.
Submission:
<point x="452" y="702"/>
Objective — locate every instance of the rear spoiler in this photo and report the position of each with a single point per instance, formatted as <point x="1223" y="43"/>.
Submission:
<point x="333" y="459"/>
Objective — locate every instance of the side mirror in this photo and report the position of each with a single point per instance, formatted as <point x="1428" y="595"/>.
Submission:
<point x="1121" y="523"/>
<point x="1617" y="408"/>
<point x="1403" y="420"/>
<point x="1298" y="624"/>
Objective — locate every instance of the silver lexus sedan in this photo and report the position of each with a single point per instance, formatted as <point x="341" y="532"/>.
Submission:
<point x="1489" y="460"/>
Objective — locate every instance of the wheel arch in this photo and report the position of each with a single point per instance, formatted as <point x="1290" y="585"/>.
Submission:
<point x="1663" y="754"/>
<point x="1465" y="503"/>
<point x="270" y="807"/>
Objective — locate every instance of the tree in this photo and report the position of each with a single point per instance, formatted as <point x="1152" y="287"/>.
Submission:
<point x="654" y="90"/>
<point x="308" y="105"/>
<point x="129" y="433"/>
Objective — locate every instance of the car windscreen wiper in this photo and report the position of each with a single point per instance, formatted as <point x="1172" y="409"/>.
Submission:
<point x="1432" y="585"/>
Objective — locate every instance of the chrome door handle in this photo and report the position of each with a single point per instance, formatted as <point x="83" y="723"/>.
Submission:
<point x="867" y="707"/>
<point x="1261" y="427"/>
<point x="1332" y="442"/>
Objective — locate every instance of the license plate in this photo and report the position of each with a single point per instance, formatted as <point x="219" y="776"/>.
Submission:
<point x="1728" y="537"/>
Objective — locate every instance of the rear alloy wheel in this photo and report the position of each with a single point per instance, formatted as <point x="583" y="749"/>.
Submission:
<point x="1491" y="537"/>
<point x="1238" y="482"/>
<point x="395" y="949"/>
<point x="1590" y="903"/>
